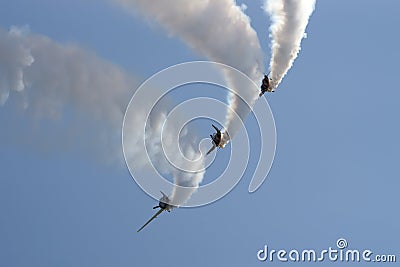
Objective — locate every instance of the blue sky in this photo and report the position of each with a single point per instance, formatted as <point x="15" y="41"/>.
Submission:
<point x="334" y="175"/>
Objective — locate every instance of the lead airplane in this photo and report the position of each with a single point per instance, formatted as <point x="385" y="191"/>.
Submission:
<point x="266" y="85"/>
<point x="219" y="139"/>
<point x="163" y="205"/>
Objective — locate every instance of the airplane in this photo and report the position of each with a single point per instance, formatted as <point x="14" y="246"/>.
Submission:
<point x="266" y="85"/>
<point x="163" y="205"/>
<point x="219" y="139"/>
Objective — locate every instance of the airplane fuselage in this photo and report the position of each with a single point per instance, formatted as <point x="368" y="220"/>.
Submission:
<point x="266" y="86"/>
<point x="217" y="139"/>
<point x="163" y="205"/>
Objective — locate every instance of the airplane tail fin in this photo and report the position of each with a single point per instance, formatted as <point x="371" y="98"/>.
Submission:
<point x="215" y="128"/>
<point x="164" y="198"/>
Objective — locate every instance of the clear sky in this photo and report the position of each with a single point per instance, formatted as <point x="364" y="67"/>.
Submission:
<point x="335" y="173"/>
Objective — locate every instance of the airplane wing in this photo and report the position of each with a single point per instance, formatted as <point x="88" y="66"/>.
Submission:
<point x="216" y="129"/>
<point x="152" y="218"/>
<point x="211" y="149"/>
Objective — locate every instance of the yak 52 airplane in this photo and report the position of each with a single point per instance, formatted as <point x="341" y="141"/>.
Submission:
<point x="266" y="85"/>
<point x="219" y="139"/>
<point x="163" y="205"/>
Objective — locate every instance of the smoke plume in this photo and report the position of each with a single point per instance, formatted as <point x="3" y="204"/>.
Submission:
<point x="220" y="31"/>
<point x="289" y="22"/>
<point x="50" y="80"/>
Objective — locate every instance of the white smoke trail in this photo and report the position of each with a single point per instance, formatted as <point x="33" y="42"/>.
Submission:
<point x="50" y="78"/>
<point x="47" y="78"/>
<point x="220" y="31"/>
<point x="289" y="22"/>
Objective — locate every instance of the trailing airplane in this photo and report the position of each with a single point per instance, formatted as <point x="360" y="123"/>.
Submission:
<point x="163" y="204"/>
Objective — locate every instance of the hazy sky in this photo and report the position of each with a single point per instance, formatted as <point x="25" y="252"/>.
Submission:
<point x="67" y="198"/>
